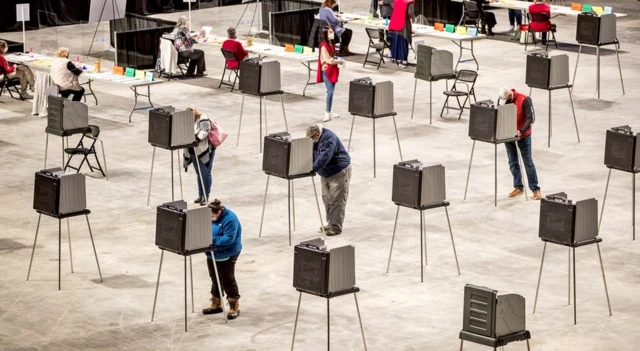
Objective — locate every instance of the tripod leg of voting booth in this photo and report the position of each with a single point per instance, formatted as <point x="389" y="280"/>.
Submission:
<point x="104" y="159"/>
<point x="575" y="303"/>
<point x="569" y="276"/>
<point x="374" y="147"/>
<point x="453" y="243"/>
<point x="155" y="298"/>
<point x="633" y="204"/>
<point x="46" y="149"/>
<point x="180" y="173"/>
<point x="421" y="246"/>
<point x="424" y="237"/>
<point x="469" y="170"/>
<point x="315" y="192"/>
<point x="364" y="342"/>
<point x="413" y="105"/>
<point x="70" y="252"/>
<point x="528" y="347"/>
<point x="289" y="208"/>
<point x="495" y="174"/>
<point x="604" y="200"/>
<point x="535" y="301"/>
<point x="328" y="324"/>
<point x="153" y="158"/>
<point x="191" y="273"/>
<point x="173" y="187"/>
<point x="575" y="121"/>
<point x="266" y="125"/>
<point x="295" y="324"/>
<point x="284" y="114"/>
<point x="59" y="250"/>
<point x="397" y="137"/>
<point x="94" y="247"/>
<point x="393" y="238"/>
<point x="530" y="91"/>
<point x="430" y="102"/>
<point x="575" y="70"/>
<point x="240" y="121"/>
<point x="34" y="245"/>
<point x="550" y="122"/>
<point x="604" y="280"/>
<point x="293" y="204"/>
<point x="185" y="293"/>
<point x="461" y="343"/>
<point x="619" y="67"/>
<point x="353" y="121"/>
<point x="264" y="203"/>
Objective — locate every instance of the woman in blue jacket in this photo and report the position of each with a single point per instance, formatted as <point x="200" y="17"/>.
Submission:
<point x="226" y="232"/>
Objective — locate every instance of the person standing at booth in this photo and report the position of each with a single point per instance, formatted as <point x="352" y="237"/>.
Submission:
<point x="328" y="70"/>
<point x="525" y="119"/>
<point x="333" y="164"/>
<point x="203" y="153"/>
<point x="400" y="28"/>
<point x="226" y="232"/>
<point x="344" y="34"/>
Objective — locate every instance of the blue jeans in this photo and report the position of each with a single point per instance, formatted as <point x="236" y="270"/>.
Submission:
<point x="515" y="16"/>
<point x="205" y="169"/>
<point x="514" y="164"/>
<point x="330" y="88"/>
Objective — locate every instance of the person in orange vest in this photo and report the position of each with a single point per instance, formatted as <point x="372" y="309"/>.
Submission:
<point x="526" y="118"/>
<point x="400" y="28"/>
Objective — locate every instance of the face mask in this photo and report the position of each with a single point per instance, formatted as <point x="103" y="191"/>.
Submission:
<point x="332" y="36"/>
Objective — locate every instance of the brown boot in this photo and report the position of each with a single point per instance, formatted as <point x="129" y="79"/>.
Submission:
<point x="234" y="308"/>
<point x="537" y="195"/>
<point x="216" y="306"/>
<point x="516" y="192"/>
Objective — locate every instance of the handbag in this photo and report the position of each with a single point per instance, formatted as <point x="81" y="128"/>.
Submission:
<point x="217" y="136"/>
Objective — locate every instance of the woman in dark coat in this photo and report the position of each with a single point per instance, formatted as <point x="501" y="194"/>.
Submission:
<point x="488" y="18"/>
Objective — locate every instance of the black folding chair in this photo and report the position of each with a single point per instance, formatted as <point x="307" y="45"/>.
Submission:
<point x="471" y="13"/>
<point x="229" y="56"/>
<point x="378" y="43"/>
<point x="468" y="79"/>
<point x="87" y="149"/>
<point x="182" y="62"/>
<point x="544" y="18"/>
<point x="10" y="84"/>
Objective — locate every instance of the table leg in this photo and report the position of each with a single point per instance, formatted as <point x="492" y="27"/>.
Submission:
<point x="135" y="94"/>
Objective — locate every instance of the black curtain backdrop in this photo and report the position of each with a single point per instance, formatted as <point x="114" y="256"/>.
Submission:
<point x="293" y="27"/>
<point x="138" y="39"/>
<point x="443" y="11"/>
<point x="284" y="5"/>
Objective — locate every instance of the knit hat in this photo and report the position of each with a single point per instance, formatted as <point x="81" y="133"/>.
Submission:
<point x="313" y="131"/>
<point x="504" y="93"/>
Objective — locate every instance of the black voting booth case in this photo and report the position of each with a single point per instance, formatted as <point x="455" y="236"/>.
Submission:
<point x="432" y="65"/>
<point x="171" y="129"/>
<point x="571" y="224"/>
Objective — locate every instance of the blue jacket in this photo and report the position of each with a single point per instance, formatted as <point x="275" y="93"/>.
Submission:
<point x="329" y="155"/>
<point x="226" y="233"/>
<point x="326" y="14"/>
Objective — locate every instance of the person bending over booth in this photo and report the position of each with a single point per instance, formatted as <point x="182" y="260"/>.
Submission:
<point x="21" y="72"/>
<point x="344" y="34"/>
<point x="526" y="118"/>
<point x="203" y="153"/>
<point x="233" y="45"/>
<point x="226" y="232"/>
<point x="64" y="74"/>
<point x="184" y="42"/>
<point x="400" y="28"/>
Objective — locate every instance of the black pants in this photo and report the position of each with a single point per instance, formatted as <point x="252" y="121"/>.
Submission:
<point x="227" y="272"/>
<point x="196" y="59"/>
<point x="77" y="94"/>
<point x="345" y="38"/>
<point x="489" y="18"/>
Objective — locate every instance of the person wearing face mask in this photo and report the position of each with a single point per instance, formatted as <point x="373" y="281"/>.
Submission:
<point x="226" y="232"/>
<point x="525" y="119"/>
<point x="343" y="34"/>
<point x="203" y="153"/>
<point x="184" y="41"/>
<point x="333" y="164"/>
<point x="64" y="74"/>
<point x="21" y="72"/>
<point x="328" y="70"/>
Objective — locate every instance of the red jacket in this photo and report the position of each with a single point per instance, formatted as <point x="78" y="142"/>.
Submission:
<point x="332" y="70"/>
<point x="399" y="15"/>
<point x="540" y="7"/>
<point x="237" y="49"/>
<point x="4" y="64"/>
<point x="525" y="113"/>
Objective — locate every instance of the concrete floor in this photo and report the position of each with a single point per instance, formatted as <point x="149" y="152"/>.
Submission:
<point x="497" y="247"/>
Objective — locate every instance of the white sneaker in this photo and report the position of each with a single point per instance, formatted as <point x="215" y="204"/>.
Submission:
<point x="334" y="115"/>
<point x="404" y="64"/>
<point x="512" y="28"/>
<point x="327" y="117"/>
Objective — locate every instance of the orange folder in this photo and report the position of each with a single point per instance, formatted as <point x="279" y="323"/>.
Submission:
<point x="289" y="48"/>
<point x="575" y="6"/>
<point x="438" y="27"/>
<point x="118" y="70"/>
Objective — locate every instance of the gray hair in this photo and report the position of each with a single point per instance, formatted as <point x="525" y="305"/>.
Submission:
<point x="182" y="22"/>
<point x="231" y="32"/>
<point x="504" y="93"/>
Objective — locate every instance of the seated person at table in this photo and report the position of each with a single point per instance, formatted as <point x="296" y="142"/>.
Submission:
<point x="17" y="71"/>
<point x="231" y="44"/>
<point x="184" y="42"/>
<point x="488" y="18"/>
<point x="540" y="6"/>
<point x="344" y="34"/>
<point x="64" y="74"/>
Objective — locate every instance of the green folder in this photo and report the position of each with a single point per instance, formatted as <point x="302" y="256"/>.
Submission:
<point x="298" y="49"/>
<point x="587" y="8"/>
<point x="130" y="72"/>
<point x="450" y="28"/>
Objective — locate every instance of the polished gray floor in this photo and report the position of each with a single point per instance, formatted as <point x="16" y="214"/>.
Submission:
<point x="497" y="247"/>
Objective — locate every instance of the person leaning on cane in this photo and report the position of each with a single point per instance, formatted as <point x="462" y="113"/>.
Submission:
<point x="332" y="162"/>
<point x="525" y="118"/>
<point x="226" y="232"/>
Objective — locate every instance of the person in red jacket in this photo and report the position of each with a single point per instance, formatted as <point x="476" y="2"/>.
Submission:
<point x="22" y="72"/>
<point x="400" y="28"/>
<point x="541" y="6"/>
<point x="328" y="70"/>
<point x="234" y="46"/>
<point x="526" y="118"/>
